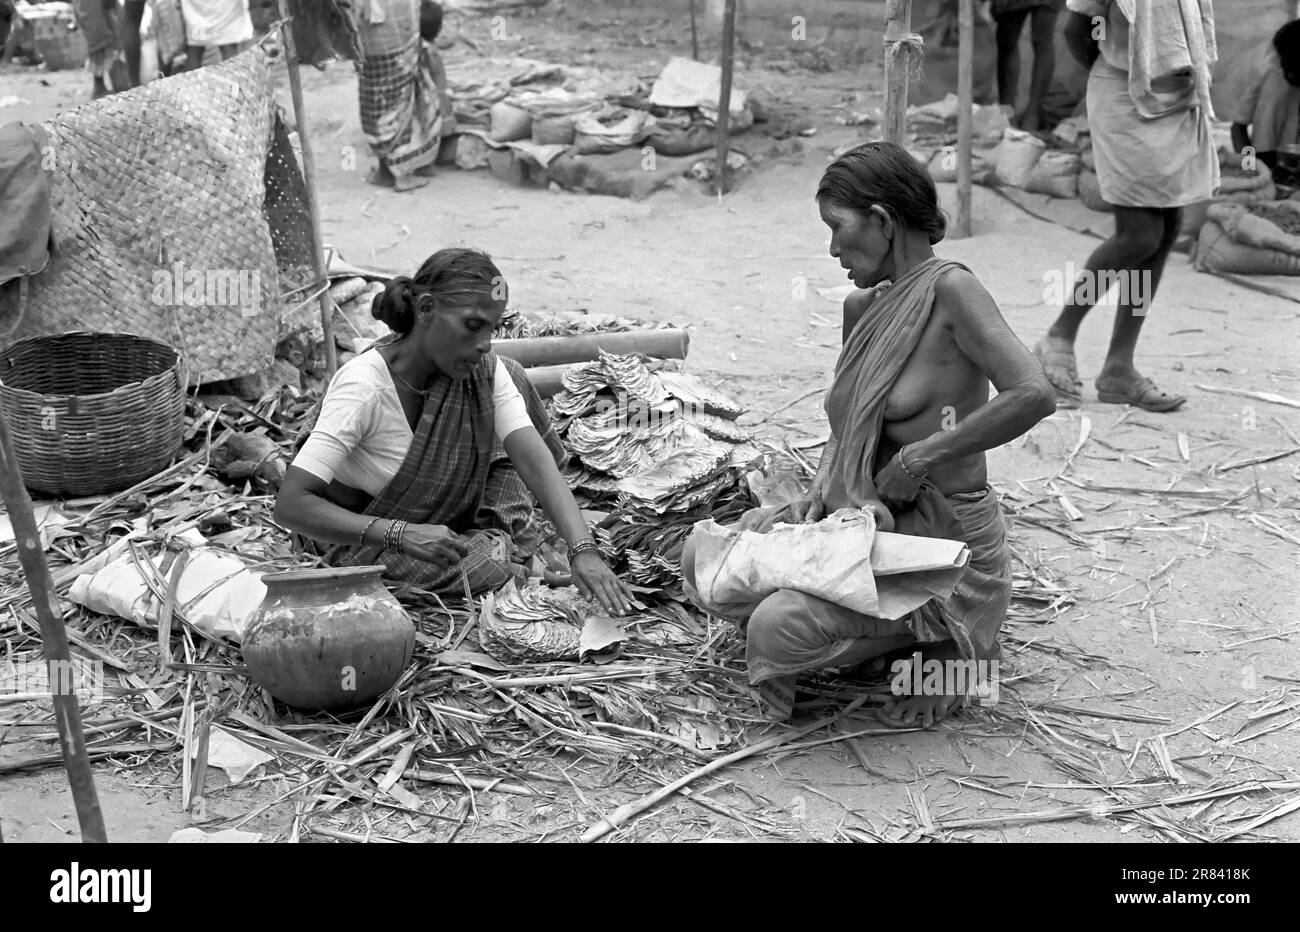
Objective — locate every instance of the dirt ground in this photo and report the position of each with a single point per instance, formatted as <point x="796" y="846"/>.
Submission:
<point x="1177" y="614"/>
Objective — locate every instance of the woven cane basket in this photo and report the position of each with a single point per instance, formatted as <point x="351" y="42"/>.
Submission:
<point x="92" y="412"/>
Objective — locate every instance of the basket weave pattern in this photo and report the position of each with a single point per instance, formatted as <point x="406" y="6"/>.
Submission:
<point x="160" y="180"/>
<point x="92" y="412"/>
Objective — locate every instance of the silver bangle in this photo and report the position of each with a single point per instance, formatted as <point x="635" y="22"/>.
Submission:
<point x="902" y="462"/>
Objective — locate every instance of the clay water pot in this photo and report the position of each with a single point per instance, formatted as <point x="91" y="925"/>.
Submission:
<point x="328" y="638"/>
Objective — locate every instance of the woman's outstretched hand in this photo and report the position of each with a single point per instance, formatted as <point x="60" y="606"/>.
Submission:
<point x="596" y="581"/>
<point x="434" y="543"/>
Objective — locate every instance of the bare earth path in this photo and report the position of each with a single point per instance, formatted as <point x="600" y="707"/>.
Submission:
<point x="1177" y="615"/>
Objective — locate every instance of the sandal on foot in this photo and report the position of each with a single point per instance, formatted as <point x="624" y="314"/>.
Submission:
<point x="1143" y="394"/>
<point x="1055" y="358"/>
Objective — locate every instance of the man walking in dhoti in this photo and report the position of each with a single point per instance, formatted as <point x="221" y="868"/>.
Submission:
<point x="1149" y="112"/>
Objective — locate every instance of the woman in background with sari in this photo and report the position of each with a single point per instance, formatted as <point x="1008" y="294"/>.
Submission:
<point x="401" y="82"/>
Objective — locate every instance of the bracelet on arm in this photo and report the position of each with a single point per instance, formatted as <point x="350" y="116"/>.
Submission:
<point x="366" y="530"/>
<point x="582" y="546"/>
<point x="902" y="462"/>
<point x="393" y="535"/>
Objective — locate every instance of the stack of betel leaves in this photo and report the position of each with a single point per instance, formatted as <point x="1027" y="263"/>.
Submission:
<point x="662" y="448"/>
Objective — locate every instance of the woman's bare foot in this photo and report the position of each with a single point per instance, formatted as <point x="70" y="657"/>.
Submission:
<point x="911" y="708"/>
<point x="409" y="182"/>
<point x="380" y="176"/>
<point x="917" y="711"/>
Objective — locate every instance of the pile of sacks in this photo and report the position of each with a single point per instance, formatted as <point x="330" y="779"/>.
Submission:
<point x="534" y="112"/>
<point x="1260" y="238"/>
<point x="1003" y="155"/>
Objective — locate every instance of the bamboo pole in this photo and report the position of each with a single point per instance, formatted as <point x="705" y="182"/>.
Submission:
<point x="965" y="71"/>
<point x="553" y="351"/>
<point x="695" y="39"/>
<point x="724" y="99"/>
<point x="54" y="641"/>
<point x="309" y="177"/>
<point x="901" y="49"/>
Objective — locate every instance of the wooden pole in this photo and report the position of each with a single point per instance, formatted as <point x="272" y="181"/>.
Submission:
<point x="965" y="73"/>
<point x="900" y="55"/>
<point x="54" y="641"/>
<point x="584" y="347"/>
<point x="695" y="39"/>
<point x="724" y="99"/>
<point x="309" y="173"/>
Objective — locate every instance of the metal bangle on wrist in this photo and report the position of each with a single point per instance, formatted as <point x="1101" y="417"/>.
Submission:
<point x="582" y="545"/>
<point x="393" y="536"/>
<point x="903" y="462"/>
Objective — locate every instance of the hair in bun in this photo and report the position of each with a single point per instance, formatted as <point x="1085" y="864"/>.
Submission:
<point x="886" y="174"/>
<point x="454" y="276"/>
<point x="395" y="305"/>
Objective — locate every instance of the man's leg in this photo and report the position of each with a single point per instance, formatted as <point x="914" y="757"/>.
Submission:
<point x="1042" y="31"/>
<point x="229" y="51"/>
<point x="1009" y="27"/>
<point x="1119" y="379"/>
<point x="1139" y="232"/>
<point x="131" y="21"/>
<point x="194" y="57"/>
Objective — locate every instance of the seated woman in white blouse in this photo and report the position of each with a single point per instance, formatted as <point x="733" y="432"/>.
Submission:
<point x="425" y="452"/>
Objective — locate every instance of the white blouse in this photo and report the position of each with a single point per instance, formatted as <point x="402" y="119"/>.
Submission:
<point x="362" y="436"/>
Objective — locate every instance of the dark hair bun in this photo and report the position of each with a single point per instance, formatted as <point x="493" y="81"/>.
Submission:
<point x="395" y="305"/>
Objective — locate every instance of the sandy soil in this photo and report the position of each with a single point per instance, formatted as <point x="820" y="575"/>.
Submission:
<point x="743" y="274"/>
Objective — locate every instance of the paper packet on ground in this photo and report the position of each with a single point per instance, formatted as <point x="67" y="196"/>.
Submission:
<point x="217" y="592"/>
<point x="842" y="559"/>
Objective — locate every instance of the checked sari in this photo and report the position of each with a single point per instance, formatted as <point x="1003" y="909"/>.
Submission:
<point x="456" y="473"/>
<point x="401" y="82"/>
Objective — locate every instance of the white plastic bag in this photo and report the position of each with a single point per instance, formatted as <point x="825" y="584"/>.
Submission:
<point x="216" y="592"/>
<point x="1017" y="155"/>
<point x="842" y="559"/>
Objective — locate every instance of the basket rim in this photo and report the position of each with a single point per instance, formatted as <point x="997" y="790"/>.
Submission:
<point x="178" y="365"/>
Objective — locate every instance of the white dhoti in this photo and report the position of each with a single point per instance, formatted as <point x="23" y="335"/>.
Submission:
<point x="1165" y="161"/>
<point x="216" y="22"/>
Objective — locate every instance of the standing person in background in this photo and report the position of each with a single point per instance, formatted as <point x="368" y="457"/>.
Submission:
<point x="1009" y="17"/>
<point x="401" y="84"/>
<point x="221" y="23"/>
<point x="7" y="16"/>
<point x="1150" y="115"/>
<point x="99" y="21"/>
<point x="132" y="17"/>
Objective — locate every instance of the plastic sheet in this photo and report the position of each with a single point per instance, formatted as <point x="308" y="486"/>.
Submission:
<point x="842" y="559"/>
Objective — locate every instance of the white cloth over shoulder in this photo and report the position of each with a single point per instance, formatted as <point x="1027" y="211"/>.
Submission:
<point x="842" y="559"/>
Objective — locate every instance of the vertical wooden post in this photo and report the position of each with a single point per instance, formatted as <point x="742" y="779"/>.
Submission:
<point x="695" y="39"/>
<point x="899" y="57"/>
<point x="965" y="77"/>
<point x="309" y="173"/>
<point x="54" y="641"/>
<point x="724" y="99"/>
